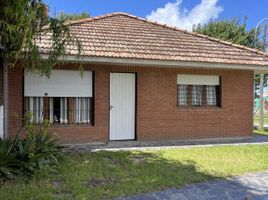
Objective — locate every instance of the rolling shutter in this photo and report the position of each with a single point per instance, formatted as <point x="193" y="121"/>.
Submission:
<point x="185" y="79"/>
<point x="62" y="83"/>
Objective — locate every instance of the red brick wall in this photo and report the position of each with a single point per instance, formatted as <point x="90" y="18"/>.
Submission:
<point x="158" y="116"/>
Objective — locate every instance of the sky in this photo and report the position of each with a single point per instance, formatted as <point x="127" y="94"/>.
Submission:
<point x="181" y="13"/>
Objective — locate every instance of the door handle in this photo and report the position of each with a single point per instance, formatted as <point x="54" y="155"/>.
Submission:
<point x="111" y="107"/>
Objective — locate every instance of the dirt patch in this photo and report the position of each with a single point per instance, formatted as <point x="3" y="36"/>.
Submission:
<point x="57" y="183"/>
<point x="137" y="159"/>
<point x="97" y="182"/>
<point x="64" y="195"/>
<point x="112" y="161"/>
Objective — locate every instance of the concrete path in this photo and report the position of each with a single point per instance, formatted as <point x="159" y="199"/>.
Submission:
<point x="150" y="145"/>
<point x="249" y="187"/>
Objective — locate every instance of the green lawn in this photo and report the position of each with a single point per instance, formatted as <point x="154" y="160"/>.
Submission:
<point x="257" y="131"/>
<point x="104" y="175"/>
<point x="256" y="120"/>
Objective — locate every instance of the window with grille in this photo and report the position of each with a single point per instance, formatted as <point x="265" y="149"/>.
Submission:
<point x="35" y="105"/>
<point x="60" y="110"/>
<point x="64" y="98"/>
<point x="81" y="108"/>
<point x="198" y="90"/>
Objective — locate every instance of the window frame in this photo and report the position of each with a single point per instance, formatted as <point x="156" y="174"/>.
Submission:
<point x="70" y="111"/>
<point x="70" y="100"/>
<point x="189" y="96"/>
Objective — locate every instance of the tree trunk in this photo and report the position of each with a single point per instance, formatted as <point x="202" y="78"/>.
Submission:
<point x="260" y="125"/>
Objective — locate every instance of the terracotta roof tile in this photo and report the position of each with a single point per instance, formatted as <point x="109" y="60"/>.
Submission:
<point x="122" y="35"/>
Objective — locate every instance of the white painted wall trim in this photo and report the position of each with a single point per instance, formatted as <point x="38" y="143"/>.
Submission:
<point x="160" y="63"/>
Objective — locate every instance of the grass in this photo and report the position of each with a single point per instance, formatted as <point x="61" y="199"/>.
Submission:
<point x="104" y="175"/>
<point x="257" y="131"/>
<point x="256" y="120"/>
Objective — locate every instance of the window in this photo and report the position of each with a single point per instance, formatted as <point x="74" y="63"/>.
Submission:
<point x="198" y="90"/>
<point x="82" y="106"/>
<point x="60" y="110"/>
<point x="64" y="98"/>
<point x="36" y="107"/>
<point x="182" y="95"/>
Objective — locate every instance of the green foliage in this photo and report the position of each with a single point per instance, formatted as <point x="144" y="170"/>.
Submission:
<point x="22" y="24"/>
<point x="236" y="32"/>
<point x="109" y="175"/>
<point x="38" y="150"/>
<point x="232" y="31"/>
<point x="9" y="165"/>
<point x="72" y="16"/>
<point x="257" y="83"/>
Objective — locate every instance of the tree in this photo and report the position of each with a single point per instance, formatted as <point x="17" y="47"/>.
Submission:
<point x="72" y="16"/>
<point x="22" y="23"/>
<point x="233" y="31"/>
<point x="236" y="32"/>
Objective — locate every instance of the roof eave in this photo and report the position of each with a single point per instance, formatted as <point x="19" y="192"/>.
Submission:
<point x="160" y="63"/>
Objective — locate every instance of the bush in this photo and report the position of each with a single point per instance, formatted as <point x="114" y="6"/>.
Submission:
<point x="9" y="165"/>
<point x="39" y="149"/>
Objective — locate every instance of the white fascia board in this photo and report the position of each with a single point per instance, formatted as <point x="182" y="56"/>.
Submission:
<point x="159" y="63"/>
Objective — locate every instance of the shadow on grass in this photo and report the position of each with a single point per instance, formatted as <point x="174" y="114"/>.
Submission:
<point x="124" y="173"/>
<point x="106" y="175"/>
<point x="147" y="172"/>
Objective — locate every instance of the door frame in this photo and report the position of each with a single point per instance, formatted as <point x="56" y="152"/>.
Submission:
<point x="136" y="104"/>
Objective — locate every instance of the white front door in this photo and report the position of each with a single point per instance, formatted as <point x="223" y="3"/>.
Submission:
<point x="122" y="106"/>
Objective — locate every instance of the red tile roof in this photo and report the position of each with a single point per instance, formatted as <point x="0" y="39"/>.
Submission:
<point x="121" y="35"/>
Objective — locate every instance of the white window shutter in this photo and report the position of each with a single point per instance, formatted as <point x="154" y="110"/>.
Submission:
<point x="187" y="79"/>
<point x="62" y="83"/>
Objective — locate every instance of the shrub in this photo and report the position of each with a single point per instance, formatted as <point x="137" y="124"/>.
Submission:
<point x="9" y="165"/>
<point x="39" y="149"/>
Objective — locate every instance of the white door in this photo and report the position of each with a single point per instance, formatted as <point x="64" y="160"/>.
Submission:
<point x="122" y="106"/>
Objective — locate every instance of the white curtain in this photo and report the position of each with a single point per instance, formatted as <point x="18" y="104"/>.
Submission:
<point x="51" y="110"/>
<point x="81" y="110"/>
<point x="182" y="94"/>
<point x="197" y="95"/>
<point x="36" y="107"/>
<point x="63" y="110"/>
<point x="211" y="95"/>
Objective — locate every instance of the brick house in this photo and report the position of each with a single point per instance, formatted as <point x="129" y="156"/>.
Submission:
<point x="142" y="81"/>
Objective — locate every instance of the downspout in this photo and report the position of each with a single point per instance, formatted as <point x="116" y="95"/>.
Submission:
<point x="5" y="98"/>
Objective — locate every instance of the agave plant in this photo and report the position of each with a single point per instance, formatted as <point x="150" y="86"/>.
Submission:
<point x="39" y="149"/>
<point x="9" y="165"/>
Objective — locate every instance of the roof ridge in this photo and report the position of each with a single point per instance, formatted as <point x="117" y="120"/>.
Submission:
<point x="71" y="22"/>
